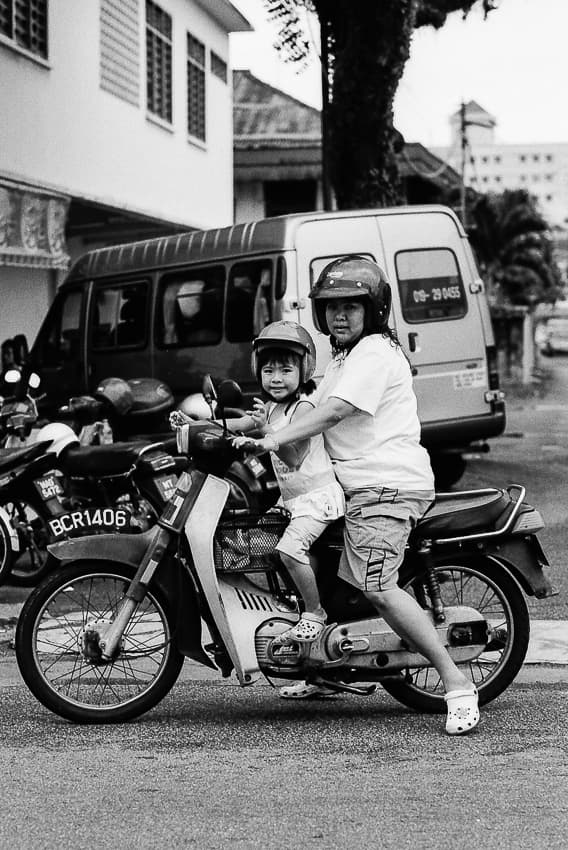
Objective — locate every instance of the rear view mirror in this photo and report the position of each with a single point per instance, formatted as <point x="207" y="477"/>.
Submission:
<point x="208" y="390"/>
<point x="229" y="394"/>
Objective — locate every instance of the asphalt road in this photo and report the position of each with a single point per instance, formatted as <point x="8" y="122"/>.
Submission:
<point x="217" y="767"/>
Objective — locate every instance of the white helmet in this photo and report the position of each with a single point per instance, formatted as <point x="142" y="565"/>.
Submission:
<point x="61" y="436"/>
<point x="196" y="407"/>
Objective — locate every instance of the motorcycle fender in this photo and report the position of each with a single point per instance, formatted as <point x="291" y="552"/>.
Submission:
<point x="12" y="534"/>
<point x="124" y="548"/>
<point x="525" y="559"/>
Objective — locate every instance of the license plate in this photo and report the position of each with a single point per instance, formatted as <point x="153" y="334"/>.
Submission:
<point x="167" y="486"/>
<point x="90" y="520"/>
<point x="48" y="487"/>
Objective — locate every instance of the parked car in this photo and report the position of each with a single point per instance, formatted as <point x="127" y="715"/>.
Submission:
<point x="555" y="336"/>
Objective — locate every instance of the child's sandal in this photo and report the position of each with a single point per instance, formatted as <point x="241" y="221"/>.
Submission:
<point x="463" y="711"/>
<point x="308" y="628"/>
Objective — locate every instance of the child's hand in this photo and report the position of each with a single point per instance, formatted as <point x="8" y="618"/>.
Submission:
<point x="258" y="413"/>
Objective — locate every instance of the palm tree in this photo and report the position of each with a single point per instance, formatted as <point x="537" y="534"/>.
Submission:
<point x="514" y="249"/>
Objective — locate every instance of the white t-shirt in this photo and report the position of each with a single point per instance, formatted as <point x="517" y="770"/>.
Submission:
<point x="379" y="444"/>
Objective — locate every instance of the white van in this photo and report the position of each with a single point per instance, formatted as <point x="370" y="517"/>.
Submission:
<point x="177" y="307"/>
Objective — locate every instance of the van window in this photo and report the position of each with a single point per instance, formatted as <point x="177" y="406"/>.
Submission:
<point x="249" y="300"/>
<point x="60" y="338"/>
<point x="430" y="285"/>
<point x="119" y="316"/>
<point x="190" y="307"/>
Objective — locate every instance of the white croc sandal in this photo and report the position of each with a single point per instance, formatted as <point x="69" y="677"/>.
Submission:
<point x="463" y="711"/>
<point x="302" y="690"/>
<point x="308" y="629"/>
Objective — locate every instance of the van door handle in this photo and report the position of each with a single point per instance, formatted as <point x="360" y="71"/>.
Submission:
<point x="412" y="337"/>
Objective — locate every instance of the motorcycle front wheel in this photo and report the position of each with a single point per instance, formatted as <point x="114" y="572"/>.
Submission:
<point x="490" y="589"/>
<point x="57" y="646"/>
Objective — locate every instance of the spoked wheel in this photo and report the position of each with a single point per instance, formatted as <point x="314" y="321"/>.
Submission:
<point x="31" y="563"/>
<point x="59" y="654"/>
<point x="487" y="587"/>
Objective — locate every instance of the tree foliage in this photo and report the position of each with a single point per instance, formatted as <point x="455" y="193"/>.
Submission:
<point x="514" y="249"/>
<point x="364" y="48"/>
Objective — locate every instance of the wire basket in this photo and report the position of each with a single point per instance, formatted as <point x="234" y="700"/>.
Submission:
<point x="246" y="541"/>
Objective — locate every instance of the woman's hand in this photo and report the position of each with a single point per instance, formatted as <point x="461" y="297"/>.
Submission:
<point x="258" y="447"/>
<point x="258" y="413"/>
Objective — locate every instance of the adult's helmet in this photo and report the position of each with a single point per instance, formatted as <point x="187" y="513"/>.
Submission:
<point x="117" y="393"/>
<point x="353" y="277"/>
<point x="289" y="336"/>
<point x="61" y="436"/>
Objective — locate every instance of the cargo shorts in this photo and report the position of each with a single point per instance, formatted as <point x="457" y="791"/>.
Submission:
<point x="378" y="522"/>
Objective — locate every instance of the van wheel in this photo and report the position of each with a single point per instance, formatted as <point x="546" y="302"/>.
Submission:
<point x="448" y="468"/>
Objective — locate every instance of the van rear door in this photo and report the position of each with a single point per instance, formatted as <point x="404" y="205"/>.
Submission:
<point x="437" y="313"/>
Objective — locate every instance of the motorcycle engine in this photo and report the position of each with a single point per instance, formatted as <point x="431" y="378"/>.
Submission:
<point x="276" y="659"/>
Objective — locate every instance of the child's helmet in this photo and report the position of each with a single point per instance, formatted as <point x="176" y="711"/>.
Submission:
<point x="289" y="336"/>
<point x="353" y="277"/>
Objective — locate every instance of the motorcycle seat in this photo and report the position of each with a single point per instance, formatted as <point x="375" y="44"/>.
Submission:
<point x="451" y="515"/>
<point x="112" y="459"/>
<point x="463" y="513"/>
<point x="11" y="458"/>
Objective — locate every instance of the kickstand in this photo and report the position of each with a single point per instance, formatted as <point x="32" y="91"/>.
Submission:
<point x="360" y="690"/>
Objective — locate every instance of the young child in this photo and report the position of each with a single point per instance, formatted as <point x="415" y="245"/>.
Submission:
<point x="283" y="360"/>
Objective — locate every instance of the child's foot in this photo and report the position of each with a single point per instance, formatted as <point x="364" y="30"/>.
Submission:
<point x="308" y="628"/>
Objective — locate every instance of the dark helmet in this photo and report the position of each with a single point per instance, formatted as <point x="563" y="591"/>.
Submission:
<point x="289" y="336"/>
<point x="353" y="277"/>
<point x="117" y="393"/>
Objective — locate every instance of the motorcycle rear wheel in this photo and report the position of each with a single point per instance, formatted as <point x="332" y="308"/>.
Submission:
<point x="485" y="585"/>
<point x="50" y="639"/>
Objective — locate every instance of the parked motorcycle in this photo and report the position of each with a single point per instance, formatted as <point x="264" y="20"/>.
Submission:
<point x="103" y="638"/>
<point x="18" y="409"/>
<point x="55" y="489"/>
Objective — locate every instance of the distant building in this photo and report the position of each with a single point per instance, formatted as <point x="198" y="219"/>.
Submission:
<point x="541" y="168"/>
<point x="277" y="156"/>
<point x="116" y="124"/>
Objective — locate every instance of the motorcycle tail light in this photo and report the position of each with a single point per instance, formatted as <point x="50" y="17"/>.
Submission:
<point x="529" y="521"/>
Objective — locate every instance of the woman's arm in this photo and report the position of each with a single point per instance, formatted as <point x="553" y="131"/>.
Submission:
<point x="315" y="421"/>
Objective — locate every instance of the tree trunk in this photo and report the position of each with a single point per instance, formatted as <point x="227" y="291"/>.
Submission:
<point x="368" y="48"/>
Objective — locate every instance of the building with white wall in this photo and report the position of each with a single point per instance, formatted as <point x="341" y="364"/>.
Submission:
<point x="541" y="167"/>
<point x="116" y="124"/>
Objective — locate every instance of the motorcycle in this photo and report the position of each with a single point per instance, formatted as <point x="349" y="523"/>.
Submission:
<point x="18" y="411"/>
<point x="103" y="638"/>
<point x="55" y="489"/>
